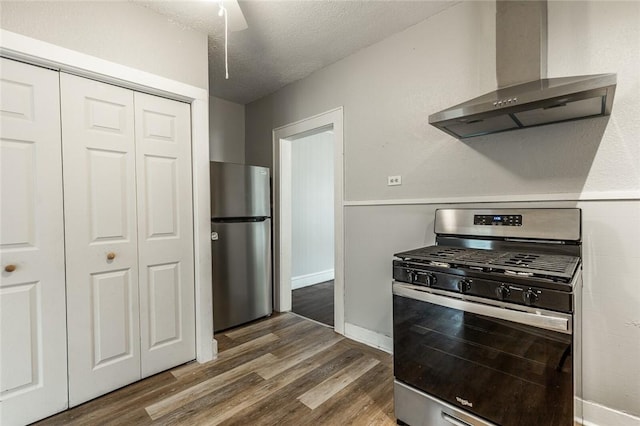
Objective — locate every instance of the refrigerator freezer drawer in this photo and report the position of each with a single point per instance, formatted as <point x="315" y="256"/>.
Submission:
<point x="239" y="191"/>
<point x="241" y="272"/>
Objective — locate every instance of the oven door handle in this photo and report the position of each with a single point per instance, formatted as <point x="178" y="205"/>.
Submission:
<point x="557" y="322"/>
<point x="454" y="420"/>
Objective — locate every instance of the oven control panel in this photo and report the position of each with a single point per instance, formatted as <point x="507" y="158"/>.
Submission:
<point x="496" y="219"/>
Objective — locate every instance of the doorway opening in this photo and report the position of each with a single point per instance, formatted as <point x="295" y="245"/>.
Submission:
<point x="308" y="230"/>
<point x="312" y="245"/>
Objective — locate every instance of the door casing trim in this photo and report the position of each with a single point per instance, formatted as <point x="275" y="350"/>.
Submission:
<point x="282" y="208"/>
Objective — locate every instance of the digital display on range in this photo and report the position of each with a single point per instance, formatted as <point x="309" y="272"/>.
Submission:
<point x="499" y="220"/>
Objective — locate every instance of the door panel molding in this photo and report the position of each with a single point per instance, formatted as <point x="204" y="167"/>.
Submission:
<point x="33" y="350"/>
<point x="100" y="237"/>
<point x="111" y="316"/>
<point x="165" y="237"/>
<point x="165" y="307"/>
<point x="22" y="371"/>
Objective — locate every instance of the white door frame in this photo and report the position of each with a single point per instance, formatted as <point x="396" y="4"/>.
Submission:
<point x="282" y="208"/>
<point x="37" y="52"/>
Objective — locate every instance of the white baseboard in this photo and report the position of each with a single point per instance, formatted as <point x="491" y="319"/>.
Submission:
<point x="368" y="337"/>
<point x="215" y="349"/>
<point x="311" y="279"/>
<point x="595" y="414"/>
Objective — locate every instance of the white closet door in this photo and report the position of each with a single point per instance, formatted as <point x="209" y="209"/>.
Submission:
<point x="165" y="232"/>
<point x="33" y="349"/>
<point x="101" y="239"/>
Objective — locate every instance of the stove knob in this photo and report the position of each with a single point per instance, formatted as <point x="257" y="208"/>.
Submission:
<point x="464" y="285"/>
<point x="431" y="279"/>
<point x="503" y="292"/>
<point x="530" y="297"/>
<point x="410" y="276"/>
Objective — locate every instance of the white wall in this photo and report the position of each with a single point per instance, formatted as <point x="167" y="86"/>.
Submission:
<point x="389" y="89"/>
<point x="226" y="131"/>
<point x="312" y="245"/>
<point x="118" y="31"/>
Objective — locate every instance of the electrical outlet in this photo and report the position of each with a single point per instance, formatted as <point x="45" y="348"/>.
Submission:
<point x="394" y="180"/>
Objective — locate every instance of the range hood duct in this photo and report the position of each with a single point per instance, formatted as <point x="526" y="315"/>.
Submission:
<point x="525" y="97"/>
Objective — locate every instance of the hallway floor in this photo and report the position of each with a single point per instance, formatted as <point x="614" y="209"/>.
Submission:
<point x="314" y="302"/>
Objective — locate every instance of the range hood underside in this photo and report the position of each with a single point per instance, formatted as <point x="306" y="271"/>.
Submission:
<point x="517" y="107"/>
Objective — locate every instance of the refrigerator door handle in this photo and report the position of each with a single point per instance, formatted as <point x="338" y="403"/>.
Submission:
<point x="214" y="236"/>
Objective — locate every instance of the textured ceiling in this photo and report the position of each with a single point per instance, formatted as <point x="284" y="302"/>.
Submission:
<point x="287" y="40"/>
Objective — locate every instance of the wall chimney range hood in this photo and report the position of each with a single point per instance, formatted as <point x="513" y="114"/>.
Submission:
<point x="536" y="102"/>
<point x="539" y="102"/>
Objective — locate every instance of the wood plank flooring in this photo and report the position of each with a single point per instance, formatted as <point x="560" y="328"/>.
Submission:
<point x="284" y="370"/>
<point x="314" y="302"/>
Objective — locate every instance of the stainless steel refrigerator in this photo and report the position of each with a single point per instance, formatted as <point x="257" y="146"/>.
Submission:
<point x="241" y="244"/>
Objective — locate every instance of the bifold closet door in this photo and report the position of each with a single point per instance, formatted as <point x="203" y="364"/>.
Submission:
<point x="165" y="232"/>
<point x="101" y="237"/>
<point x="33" y="349"/>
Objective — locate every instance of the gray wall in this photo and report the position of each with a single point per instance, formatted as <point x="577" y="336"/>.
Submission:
<point x="226" y="131"/>
<point x="389" y="89"/>
<point x="312" y="209"/>
<point x="118" y="31"/>
<point x="611" y="253"/>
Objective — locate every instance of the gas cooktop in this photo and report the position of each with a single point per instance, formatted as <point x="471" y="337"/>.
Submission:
<point x="548" y="266"/>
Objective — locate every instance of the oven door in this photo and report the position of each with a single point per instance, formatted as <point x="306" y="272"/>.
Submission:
<point x="507" y="366"/>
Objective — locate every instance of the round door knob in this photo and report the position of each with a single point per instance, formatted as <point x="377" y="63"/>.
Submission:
<point x="111" y="255"/>
<point x="10" y="268"/>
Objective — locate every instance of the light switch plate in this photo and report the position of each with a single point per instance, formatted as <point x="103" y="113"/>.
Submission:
<point x="394" y="180"/>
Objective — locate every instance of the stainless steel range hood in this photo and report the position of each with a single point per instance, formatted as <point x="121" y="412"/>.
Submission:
<point x="539" y="102"/>
<point x="533" y="103"/>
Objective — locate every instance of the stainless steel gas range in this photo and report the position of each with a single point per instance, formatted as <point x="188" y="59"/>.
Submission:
<point x="486" y="323"/>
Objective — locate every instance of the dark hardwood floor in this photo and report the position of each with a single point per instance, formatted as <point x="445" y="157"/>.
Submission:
<point x="283" y="370"/>
<point x="314" y="302"/>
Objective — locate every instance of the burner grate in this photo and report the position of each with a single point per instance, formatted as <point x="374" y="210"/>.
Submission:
<point x="557" y="266"/>
<point x="534" y="261"/>
<point x="446" y="253"/>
